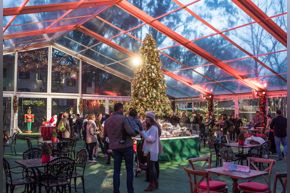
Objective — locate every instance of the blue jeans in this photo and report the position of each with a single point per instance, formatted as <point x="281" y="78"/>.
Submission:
<point x="128" y="155"/>
<point x="278" y="142"/>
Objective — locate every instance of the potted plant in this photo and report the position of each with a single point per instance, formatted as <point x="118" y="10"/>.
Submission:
<point x="54" y="136"/>
<point x="46" y="153"/>
<point x="241" y="138"/>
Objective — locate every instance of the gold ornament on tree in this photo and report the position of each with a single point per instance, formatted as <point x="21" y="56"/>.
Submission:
<point x="148" y="85"/>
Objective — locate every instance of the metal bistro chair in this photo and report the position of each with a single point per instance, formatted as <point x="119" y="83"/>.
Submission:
<point x="28" y="142"/>
<point x="80" y="166"/>
<point x="32" y="153"/>
<point x="202" y="181"/>
<point x="11" y="143"/>
<point x="14" y="178"/>
<point x="57" y="175"/>
<point x="65" y="148"/>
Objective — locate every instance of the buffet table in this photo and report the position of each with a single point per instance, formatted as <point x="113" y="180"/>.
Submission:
<point x="179" y="148"/>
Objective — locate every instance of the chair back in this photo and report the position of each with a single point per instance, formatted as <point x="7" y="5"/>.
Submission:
<point x="255" y="151"/>
<point x="32" y="153"/>
<point x="265" y="150"/>
<point x="227" y="154"/>
<point x="28" y="141"/>
<point x="255" y="163"/>
<point x="195" y="177"/>
<point x="6" y="166"/>
<point x="60" y="168"/>
<point x="282" y="178"/>
<point x="81" y="160"/>
<point x="66" y="147"/>
<point x="205" y="163"/>
<point x="13" y="139"/>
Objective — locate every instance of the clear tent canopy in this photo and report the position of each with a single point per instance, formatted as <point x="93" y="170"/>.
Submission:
<point x="206" y="46"/>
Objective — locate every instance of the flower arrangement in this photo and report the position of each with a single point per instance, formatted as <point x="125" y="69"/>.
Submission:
<point x="54" y="136"/>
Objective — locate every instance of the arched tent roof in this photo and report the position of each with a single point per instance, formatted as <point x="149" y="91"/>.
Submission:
<point x="219" y="47"/>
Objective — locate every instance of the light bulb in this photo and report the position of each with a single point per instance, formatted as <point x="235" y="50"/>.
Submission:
<point x="136" y="61"/>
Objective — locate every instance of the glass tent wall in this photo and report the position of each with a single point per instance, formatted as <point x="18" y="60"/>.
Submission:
<point x="50" y="81"/>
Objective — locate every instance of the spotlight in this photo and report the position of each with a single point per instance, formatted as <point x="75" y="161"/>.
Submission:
<point x="136" y="61"/>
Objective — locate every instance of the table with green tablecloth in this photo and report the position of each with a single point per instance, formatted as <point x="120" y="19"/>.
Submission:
<point x="179" y="148"/>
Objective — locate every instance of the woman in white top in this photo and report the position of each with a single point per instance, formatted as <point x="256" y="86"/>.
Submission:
<point x="91" y="137"/>
<point x="151" y="148"/>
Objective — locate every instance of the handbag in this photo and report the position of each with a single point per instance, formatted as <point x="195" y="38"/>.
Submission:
<point x="61" y="127"/>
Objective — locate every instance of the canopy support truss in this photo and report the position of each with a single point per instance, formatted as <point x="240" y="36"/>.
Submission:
<point x="39" y="32"/>
<point x="22" y="6"/>
<point x="92" y="62"/>
<point x="136" y="12"/>
<point x="163" y="53"/>
<point x="56" y="7"/>
<point x="129" y="53"/>
<point x="264" y="20"/>
<point x="230" y="40"/>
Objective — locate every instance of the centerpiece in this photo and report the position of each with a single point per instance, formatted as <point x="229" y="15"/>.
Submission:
<point x="54" y="136"/>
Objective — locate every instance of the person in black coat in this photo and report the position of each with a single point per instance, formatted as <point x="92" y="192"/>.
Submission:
<point x="279" y="125"/>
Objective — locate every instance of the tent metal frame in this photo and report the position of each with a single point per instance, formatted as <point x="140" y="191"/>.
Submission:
<point x="247" y="6"/>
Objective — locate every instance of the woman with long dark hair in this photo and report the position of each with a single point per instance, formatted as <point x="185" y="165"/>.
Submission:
<point x="151" y="147"/>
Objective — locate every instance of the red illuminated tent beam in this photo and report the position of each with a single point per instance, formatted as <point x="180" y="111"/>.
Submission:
<point x="259" y="16"/>
<point x="14" y="17"/>
<point x="65" y="14"/>
<point x="229" y="40"/>
<point x="186" y="81"/>
<point x="131" y="9"/>
<point x="166" y="55"/>
<point x="104" y="40"/>
<point x="56" y="7"/>
<point x="38" y="32"/>
<point x="124" y="50"/>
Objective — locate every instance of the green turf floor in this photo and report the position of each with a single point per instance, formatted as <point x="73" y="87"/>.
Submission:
<point x="98" y="177"/>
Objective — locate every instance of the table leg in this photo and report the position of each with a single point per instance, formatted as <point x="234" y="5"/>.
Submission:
<point x="235" y="186"/>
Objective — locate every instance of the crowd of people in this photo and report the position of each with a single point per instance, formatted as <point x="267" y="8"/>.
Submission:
<point x="272" y="129"/>
<point x="113" y="135"/>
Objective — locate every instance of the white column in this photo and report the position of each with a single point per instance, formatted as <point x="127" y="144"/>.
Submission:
<point x="15" y="71"/>
<point x="49" y="70"/>
<point x="14" y="115"/>
<point x="49" y="82"/>
<point x="107" y="109"/>
<point x="48" y="107"/>
<point x="11" y="115"/>
<point x="80" y="88"/>
<point x="80" y="78"/>
<point x="237" y="108"/>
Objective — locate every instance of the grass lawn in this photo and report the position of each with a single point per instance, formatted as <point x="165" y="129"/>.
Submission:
<point x="99" y="176"/>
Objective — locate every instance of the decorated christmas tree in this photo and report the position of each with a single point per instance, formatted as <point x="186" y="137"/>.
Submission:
<point x="148" y="85"/>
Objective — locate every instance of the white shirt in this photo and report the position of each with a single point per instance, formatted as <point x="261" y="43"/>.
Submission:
<point x="151" y="142"/>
